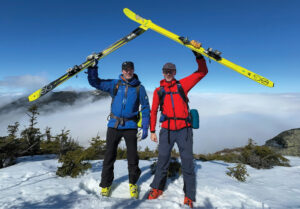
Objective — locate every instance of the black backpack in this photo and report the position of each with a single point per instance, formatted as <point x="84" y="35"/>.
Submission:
<point x="115" y="91"/>
<point x="162" y="93"/>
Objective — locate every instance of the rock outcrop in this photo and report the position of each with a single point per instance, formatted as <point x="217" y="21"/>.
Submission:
<point x="286" y="143"/>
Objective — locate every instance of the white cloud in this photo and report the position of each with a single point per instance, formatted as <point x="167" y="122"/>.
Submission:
<point x="226" y="120"/>
<point x="25" y="83"/>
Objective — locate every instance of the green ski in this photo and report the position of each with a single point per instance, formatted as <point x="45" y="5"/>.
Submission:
<point x="76" y="69"/>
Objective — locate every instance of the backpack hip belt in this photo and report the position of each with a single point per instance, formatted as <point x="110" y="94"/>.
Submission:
<point x="122" y="121"/>
<point x="176" y="118"/>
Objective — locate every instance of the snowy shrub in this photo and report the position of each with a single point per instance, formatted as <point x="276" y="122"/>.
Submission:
<point x="66" y="143"/>
<point x="174" y="169"/>
<point x="261" y="157"/>
<point x="147" y="154"/>
<point x="121" y="153"/>
<point x="175" y="154"/>
<point x="153" y="167"/>
<point x="8" y="151"/>
<point x="201" y="157"/>
<point x="72" y="163"/>
<point x="96" y="150"/>
<point x="50" y="147"/>
<point x="59" y="144"/>
<point x="10" y="146"/>
<point x="251" y="154"/>
<point x="239" y="172"/>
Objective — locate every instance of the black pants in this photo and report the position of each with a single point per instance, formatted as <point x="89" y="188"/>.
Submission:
<point x="113" y="138"/>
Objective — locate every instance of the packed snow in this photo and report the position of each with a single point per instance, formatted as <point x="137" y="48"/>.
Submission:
<point x="32" y="183"/>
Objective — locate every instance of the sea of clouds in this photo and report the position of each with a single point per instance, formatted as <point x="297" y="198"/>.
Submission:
<point x="226" y="119"/>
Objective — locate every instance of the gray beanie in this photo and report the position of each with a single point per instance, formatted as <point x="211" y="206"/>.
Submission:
<point x="170" y="66"/>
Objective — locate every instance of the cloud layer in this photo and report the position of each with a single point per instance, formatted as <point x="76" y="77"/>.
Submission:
<point x="226" y="120"/>
<point x="16" y="85"/>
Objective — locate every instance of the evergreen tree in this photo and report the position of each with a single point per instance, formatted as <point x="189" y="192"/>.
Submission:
<point x="147" y="154"/>
<point x="239" y="172"/>
<point x="32" y="135"/>
<point x="9" y="146"/>
<point x="72" y="163"/>
<point x="121" y="153"/>
<point x="50" y="144"/>
<point x="12" y="130"/>
<point x="66" y="143"/>
<point x="174" y="153"/>
<point x="96" y="149"/>
<point x="48" y="134"/>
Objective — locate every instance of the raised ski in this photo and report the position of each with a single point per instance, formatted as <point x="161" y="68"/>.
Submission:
<point x="210" y="53"/>
<point x="78" y="68"/>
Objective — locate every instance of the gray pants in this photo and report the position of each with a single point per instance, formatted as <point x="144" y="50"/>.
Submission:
<point x="184" y="140"/>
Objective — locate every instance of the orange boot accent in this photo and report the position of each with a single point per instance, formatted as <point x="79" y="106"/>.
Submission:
<point x="154" y="194"/>
<point x="188" y="201"/>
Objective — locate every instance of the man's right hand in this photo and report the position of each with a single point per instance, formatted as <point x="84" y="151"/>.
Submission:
<point x="153" y="137"/>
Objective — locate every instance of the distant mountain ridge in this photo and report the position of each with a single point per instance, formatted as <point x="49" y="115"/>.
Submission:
<point x="59" y="99"/>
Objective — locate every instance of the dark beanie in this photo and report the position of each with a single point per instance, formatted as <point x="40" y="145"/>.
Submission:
<point x="170" y="66"/>
<point x="127" y="64"/>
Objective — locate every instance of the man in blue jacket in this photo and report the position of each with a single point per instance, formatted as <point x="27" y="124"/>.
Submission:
<point x="127" y="95"/>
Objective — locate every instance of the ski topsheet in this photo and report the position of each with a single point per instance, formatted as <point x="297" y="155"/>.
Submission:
<point x="76" y="69"/>
<point x="214" y="55"/>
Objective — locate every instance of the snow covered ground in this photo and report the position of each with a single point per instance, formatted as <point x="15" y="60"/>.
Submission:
<point x="32" y="183"/>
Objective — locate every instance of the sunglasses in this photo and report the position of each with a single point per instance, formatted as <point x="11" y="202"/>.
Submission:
<point x="127" y="70"/>
<point x="168" y="71"/>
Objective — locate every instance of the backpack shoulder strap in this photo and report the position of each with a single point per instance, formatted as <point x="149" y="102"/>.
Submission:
<point x="161" y="95"/>
<point x="115" y="91"/>
<point x="116" y="88"/>
<point x="137" y="88"/>
<point x="181" y="92"/>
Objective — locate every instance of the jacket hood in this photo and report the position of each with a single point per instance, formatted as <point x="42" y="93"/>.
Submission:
<point x="165" y="83"/>
<point x="133" y="82"/>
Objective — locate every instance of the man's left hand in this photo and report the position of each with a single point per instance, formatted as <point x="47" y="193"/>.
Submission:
<point x="94" y="58"/>
<point x="142" y="134"/>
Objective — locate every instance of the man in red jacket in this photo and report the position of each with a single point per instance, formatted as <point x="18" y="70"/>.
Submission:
<point x="171" y="96"/>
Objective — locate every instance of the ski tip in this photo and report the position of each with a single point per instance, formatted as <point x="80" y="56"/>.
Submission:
<point x="34" y="96"/>
<point x="128" y="12"/>
<point x="131" y="15"/>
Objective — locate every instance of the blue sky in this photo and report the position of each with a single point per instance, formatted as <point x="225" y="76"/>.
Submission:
<point x="42" y="38"/>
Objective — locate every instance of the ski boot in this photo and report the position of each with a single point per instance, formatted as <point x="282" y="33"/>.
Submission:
<point x="154" y="194"/>
<point x="133" y="189"/>
<point x="188" y="201"/>
<point x="106" y="191"/>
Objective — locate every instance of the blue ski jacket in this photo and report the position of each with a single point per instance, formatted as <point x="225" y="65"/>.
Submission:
<point x="124" y="105"/>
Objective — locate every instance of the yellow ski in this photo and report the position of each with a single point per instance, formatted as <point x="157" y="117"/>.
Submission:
<point x="76" y="69"/>
<point x="211" y="54"/>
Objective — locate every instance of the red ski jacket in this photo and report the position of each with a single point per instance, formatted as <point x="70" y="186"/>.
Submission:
<point x="180" y="109"/>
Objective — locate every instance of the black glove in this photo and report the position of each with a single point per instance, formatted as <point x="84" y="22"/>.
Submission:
<point x="197" y="55"/>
